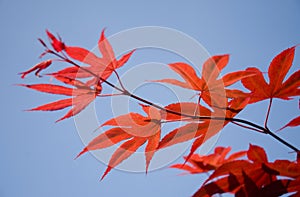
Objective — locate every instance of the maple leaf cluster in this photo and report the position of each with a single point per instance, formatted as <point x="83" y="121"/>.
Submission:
<point x="217" y="105"/>
<point x="82" y="92"/>
<point x="253" y="176"/>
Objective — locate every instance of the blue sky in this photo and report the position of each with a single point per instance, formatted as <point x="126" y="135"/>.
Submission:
<point x="37" y="154"/>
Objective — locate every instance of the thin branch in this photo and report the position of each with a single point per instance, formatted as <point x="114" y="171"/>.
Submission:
<point x="198" y="103"/>
<point x="247" y="127"/>
<point x="86" y="70"/>
<point x="107" y="95"/>
<point x="268" y="113"/>
<point x="249" y="124"/>
<point x="281" y="140"/>
<point x="119" y="79"/>
<point x="177" y="120"/>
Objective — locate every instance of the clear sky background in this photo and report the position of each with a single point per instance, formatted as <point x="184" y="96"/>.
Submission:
<point x="37" y="154"/>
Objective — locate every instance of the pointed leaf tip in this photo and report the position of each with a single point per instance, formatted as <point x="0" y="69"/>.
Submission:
<point x="57" y="44"/>
<point x="277" y="87"/>
<point x="103" y="33"/>
<point x="293" y="123"/>
<point x="81" y="153"/>
<point x="108" y="169"/>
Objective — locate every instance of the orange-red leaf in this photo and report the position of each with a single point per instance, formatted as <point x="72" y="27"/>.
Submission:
<point x="291" y="86"/>
<point x="257" y="85"/>
<point x="174" y="82"/>
<point x="188" y="73"/>
<point x="279" y="67"/>
<point x="82" y="95"/>
<point x="102" y="67"/>
<point x="213" y="66"/>
<point x="124" y="59"/>
<point x="105" y="48"/>
<point x="126" y="120"/>
<point x="151" y="147"/>
<point x="212" y="90"/>
<point x="106" y="139"/>
<point x="57" y="105"/>
<point x="277" y="88"/>
<point x="234" y="77"/>
<point x="183" y="134"/>
<point x="293" y="123"/>
<point x="123" y="152"/>
<point x="140" y="129"/>
<point x="188" y="108"/>
<point x="257" y="154"/>
<point x="205" y="129"/>
<point x="38" y="68"/>
<point x="285" y="168"/>
<point x="196" y="144"/>
<point x="58" y="45"/>
<point x="79" y="103"/>
<point x="209" y="162"/>
<point x="235" y="167"/>
<point x="253" y="177"/>
<point x="71" y="81"/>
<point x="84" y="56"/>
<point x="73" y="72"/>
<point x="50" y="88"/>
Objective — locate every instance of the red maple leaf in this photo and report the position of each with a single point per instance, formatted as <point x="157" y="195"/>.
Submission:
<point x="38" y="68"/>
<point x="81" y="96"/>
<point x="254" y="176"/>
<point x="206" y="163"/>
<point x="135" y="130"/>
<point x="293" y="123"/>
<point x="277" y="87"/>
<point x="83" y="93"/>
<point x="57" y="44"/>
<point x="212" y="89"/>
<point x="102" y="67"/>
<point x="201" y="130"/>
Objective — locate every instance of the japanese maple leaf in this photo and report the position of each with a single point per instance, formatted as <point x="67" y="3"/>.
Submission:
<point x="206" y="163"/>
<point x="293" y="123"/>
<point x="212" y="89"/>
<point x="255" y="176"/>
<point x="57" y="44"/>
<point x="37" y="68"/>
<point x="135" y="130"/>
<point x="277" y="87"/>
<point x="102" y="67"/>
<point x="81" y="96"/>
<point x="203" y="130"/>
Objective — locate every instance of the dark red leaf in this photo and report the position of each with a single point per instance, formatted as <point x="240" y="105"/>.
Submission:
<point x="257" y="154"/>
<point x="38" y="68"/>
<point x="58" y="45"/>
